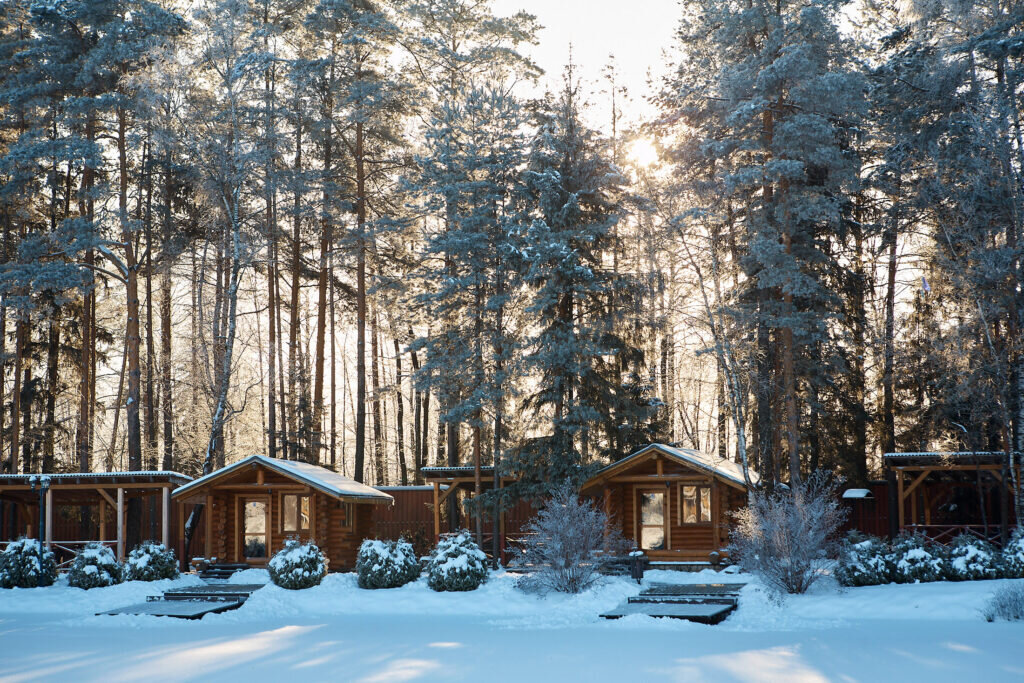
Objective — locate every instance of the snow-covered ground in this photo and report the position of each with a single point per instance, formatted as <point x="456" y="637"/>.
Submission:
<point x="931" y="632"/>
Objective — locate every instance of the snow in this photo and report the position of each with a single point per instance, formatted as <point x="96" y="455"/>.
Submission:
<point x="336" y="630"/>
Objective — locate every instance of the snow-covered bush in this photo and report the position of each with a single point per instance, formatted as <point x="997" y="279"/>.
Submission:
<point x="386" y="564"/>
<point x="862" y="561"/>
<point x="914" y="558"/>
<point x="22" y="566"/>
<point x="457" y="564"/>
<point x="787" y="537"/>
<point x="969" y="558"/>
<point x="567" y="544"/>
<point x="1006" y="603"/>
<point x="94" y="567"/>
<point x="150" y="561"/>
<point x="297" y="565"/>
<point x="1013" y="556"/>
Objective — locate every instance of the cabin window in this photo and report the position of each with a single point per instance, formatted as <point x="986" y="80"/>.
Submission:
<point x="346" y="515"/>
<point x="652" y="520"/>
<point x="295" y="517"/>
<point x="695" y="504"/>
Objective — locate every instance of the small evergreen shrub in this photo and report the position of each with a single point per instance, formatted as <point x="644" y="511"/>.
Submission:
<point x="22" y="566"/>
<point x="862" y="561"/>
<point x="150" y="561"/>
<point x="970" y="558"/>
<point x="457" y="564"/>
<point x="298" y="565"/>
<point x="94" y="567"/>
<point x="1013" y="556"/>
<point x="386" y="564"/>
<point x="913" y="558"/>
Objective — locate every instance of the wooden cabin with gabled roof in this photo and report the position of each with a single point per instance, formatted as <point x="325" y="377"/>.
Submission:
<point x="674" y="503"/>
<point x="253" y="506"/>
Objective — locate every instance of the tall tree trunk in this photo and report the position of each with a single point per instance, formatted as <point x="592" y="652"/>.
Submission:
<point x="326" y="241"/>
<point x="858" y="462"/>
<point x="360" y="457"/>
<point x="378" y="437"/>
<point x="293" y="331"/>
<point x="52" y="377"/>
<point x="418" y="450"/>
<point x="400" y="412"/>
<point x="166" y="323"/>
<point x="334" y="348"/>
<point x="889" y="341"/>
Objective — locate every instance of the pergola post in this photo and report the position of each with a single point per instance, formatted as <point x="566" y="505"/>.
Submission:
<point x="437" y="512"/>
<point x="899" y="491"/>
<point x="49" y="517"/>
<point x="103" y="520"/>
<point x="165" y="517"/>
<point x="120" y="525"/>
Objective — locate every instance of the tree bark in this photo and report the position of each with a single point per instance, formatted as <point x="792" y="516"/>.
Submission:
<point x="360" y="456"/>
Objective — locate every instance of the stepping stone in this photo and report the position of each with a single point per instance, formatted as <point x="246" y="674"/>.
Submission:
<point x="182" y="609"/>
<point x="700" y="613"/>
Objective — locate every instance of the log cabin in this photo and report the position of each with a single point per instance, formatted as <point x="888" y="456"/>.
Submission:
<point x="674" y="503"/>
<point x="254" y="505"/>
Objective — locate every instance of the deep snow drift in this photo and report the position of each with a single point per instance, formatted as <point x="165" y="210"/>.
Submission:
<point x="338" y="631"/>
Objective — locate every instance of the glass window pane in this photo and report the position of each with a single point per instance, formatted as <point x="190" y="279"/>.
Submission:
<point x="705" y="504"/>
<point x="305" y="513"/>
<point x="652" y="538"/>
<point x="689" y="505"/>
<point x="255" y="529"/>
<point x="652" y="508"/>
<point x="290" y="513"/>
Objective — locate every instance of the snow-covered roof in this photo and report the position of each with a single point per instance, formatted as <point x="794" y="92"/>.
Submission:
<point x="721" y="467"/>
<point x="320" y="478"/>
<point x="111" y="477"/>
<point x="856" y="494"/>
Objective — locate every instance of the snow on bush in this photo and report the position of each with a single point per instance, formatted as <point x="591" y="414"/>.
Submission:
<point x="150" y="561"/>
<point x="786" y="537"/>
<point x="969" y="558"/>
<point x="386" y="564"/>
<point x="94" y="567"/>
<point x="22" y="565"/>
<point x="1007" y="603"/>
<point x="298" y="565"/>
<point x="1013" y="556"/>
<point x="862" y="561"/>
<point x="567" y="544"/>
<point x="913" y="558"/>
<point x="457" y="564"/>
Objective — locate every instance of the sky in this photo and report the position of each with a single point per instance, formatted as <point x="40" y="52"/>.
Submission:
<point x="635" y="31"/>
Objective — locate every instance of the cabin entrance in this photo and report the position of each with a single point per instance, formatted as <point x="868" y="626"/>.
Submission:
<point x="254" y="512"/>
<point x="652" y="510"/>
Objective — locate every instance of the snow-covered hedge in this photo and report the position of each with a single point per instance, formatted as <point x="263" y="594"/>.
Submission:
<point x="386" y="564"/>
<point x="297" y="565"/>
<point x="862" y="561"/>
<point x="969" y="558"/>
<point x="150" y="561"/>
<point x="913" y="558"/>
<point x="22" y="566"/>
<point x="1013" y="556"/>
<point x="94" y="567"/>
<point x="457" y="564"/>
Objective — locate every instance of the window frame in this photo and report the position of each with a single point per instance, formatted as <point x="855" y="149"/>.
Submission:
<point x="298" y="514"/>
<point x="699" y="486"/>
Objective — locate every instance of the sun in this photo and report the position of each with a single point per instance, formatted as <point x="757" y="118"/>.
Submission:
<point x="643" y="152"/>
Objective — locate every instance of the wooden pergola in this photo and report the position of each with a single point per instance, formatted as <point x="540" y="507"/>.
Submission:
<point x="448" y="480"/>
<point x="912" y="476"/>
<point x="88" y="489"/>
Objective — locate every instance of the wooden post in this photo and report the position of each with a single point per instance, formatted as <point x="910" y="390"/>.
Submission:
<point x="182" y="560"/>
<point x="208" y="549"/>
<point x="899" y="497"/>
<point x="103" y="519"/>
<point x="49" y="517"/>
<point x="165" y="517"/>
<point x="120" y="525"/>
<point x="437" y="512"/>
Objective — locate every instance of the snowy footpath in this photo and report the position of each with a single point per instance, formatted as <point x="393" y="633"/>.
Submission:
<point x="927" y="632"/>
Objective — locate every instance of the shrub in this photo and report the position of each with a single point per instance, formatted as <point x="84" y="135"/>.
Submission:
<point x="862" y="561"/>
<point x="457" y="564"/>
<point x="1006" y="603"/>
<point x="150" y="561"/>
<point x="970" y="558"/>
<point x="567" y="544"/>
<point x="94" y="567"/>
<point x="1013" y="556"/>
<point x="386" y="564"/>
<point x="913" y="558"/>
<point x="22" y="566"/>
<point x="297" y="565"/>
<point x="786" y="537"/>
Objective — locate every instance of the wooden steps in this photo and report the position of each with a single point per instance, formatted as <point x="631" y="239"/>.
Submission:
<point x="704" y="603"/>
<point x="221" y="570"/>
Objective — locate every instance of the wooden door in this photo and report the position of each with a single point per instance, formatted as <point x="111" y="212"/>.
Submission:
<point x="652" y="518"/>
<point x="254" y="529"/>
